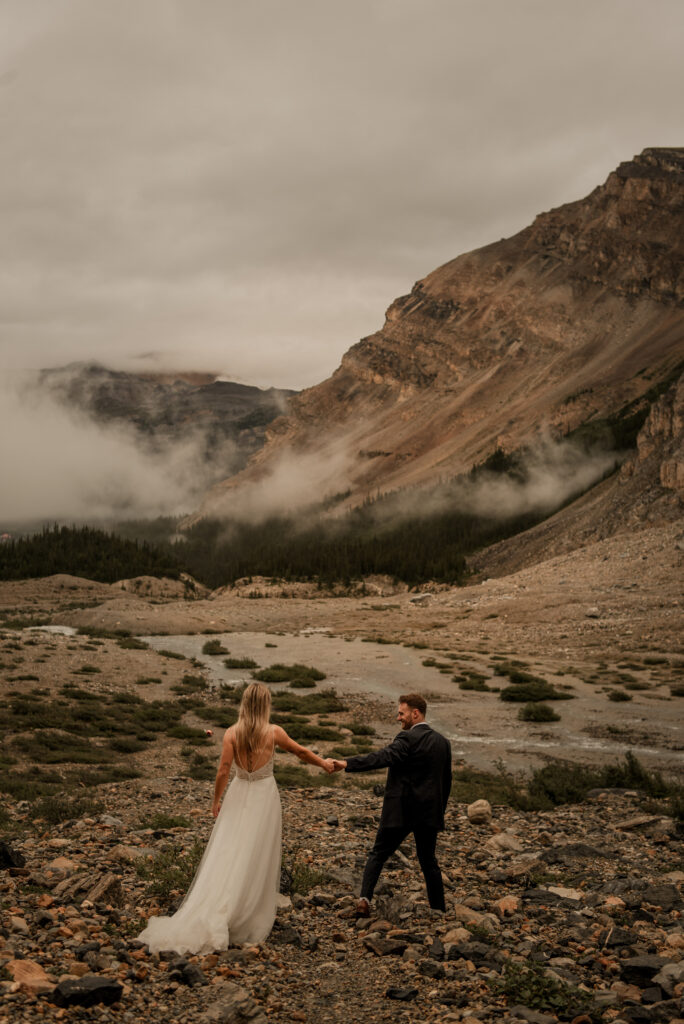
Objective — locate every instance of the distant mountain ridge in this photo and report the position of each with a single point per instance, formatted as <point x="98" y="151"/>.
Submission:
<point x="563" y="325"/>
<point x="165" y="407"/>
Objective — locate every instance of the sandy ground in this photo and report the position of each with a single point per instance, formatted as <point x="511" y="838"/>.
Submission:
<point x="578" y="620"/>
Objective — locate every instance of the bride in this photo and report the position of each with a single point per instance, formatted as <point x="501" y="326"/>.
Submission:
<point x="232" y="898"/>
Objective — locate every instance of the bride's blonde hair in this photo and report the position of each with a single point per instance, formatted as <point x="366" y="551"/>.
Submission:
<point x="249" y="732"/>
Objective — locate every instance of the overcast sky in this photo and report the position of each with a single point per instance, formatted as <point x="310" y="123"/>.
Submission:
<point x="245" y="185"/>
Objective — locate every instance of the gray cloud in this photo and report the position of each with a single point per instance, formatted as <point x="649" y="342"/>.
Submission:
<point x="58" y="464"/>
<point x="246" y="186"/>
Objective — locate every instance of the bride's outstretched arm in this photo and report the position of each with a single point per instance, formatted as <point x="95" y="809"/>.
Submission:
<point x="285" y="742"/>
<point x="227" y="754"/>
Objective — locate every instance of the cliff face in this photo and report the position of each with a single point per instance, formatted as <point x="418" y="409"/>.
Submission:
<point x="662" y="439"/>
<point x="561" y="324"/>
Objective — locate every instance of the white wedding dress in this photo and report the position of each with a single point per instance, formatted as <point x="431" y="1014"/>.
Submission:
<point x="232" y="898"/>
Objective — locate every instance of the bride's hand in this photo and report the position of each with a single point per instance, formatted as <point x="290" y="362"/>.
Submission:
<point x="215" y="808"/>
<point x="328" y="766"/>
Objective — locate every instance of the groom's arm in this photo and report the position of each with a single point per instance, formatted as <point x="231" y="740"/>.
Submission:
<point x="394" y="754"/>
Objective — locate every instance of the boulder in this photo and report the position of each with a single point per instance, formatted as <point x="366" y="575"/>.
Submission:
<point x="669" y="976"/>
<point x="107" y="890"/>
<point x="640" y="970"/>
<point x="30" y="977"/>
<point x="10" y="858"/>
<point x="479" y="812"/>
<point x="89" y="990"/>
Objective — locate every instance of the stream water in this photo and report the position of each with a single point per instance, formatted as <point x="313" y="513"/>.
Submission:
<point x="481" y="728"/>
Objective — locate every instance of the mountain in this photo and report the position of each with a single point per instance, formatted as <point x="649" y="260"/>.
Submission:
<point x="164" y="408"/>
<point x="573" y="325"/>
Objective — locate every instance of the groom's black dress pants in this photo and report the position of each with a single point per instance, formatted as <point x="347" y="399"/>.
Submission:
<point x="387" y="841"/>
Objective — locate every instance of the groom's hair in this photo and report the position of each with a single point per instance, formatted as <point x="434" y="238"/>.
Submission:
<point x="414" y="700"/>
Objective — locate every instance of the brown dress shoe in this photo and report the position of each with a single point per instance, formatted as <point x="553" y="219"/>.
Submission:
<point x="363" y="908"/>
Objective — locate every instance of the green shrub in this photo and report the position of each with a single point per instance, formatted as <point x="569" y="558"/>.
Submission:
<point x="361" y="729"/>
<point x="525" y="693"/>
<point x="677" y="690"/>
<point x="55" y="747"/>
<point x="172" y="654"/>
<point x="221" y="716"/>
<point x="472" y="683"/>
<point x="190" y="684"/>
<point x="529" y="985"/>
<point x="127" y="744"/>
<point x="147" y="680"/>
<point x="296" y="777"/>
<point x="101" y="776"/>
<point x="240" y="663"/>
<point x="343" y="751"/>
<point x="202" y="768"/>
<point x="171" y="872"/>
<point x="196" y="737"/>
<point x="160" y="820"/>
<point x="304" y="732"/>
<point x="61" y="807"/>
<point x="31" y="784"/>
<point x="288" y="673"/>
<point x="301" y="875"/>
<point x="538" y="713"/>
<point x="305" y="683"/>
<point x="618" y="696"/>
<point x="131" y="643"/>
<point x="322" y="702"/>
<point x="214" y="647"/>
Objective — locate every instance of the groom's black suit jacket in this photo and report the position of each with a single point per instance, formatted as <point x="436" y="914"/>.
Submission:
<point x="418" y="780"/>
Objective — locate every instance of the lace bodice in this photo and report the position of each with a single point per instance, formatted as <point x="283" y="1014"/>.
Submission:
<point x="265" y="772"/>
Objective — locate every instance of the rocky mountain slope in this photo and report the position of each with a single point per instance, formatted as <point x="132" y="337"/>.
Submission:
<point x="561" y="325"/>
<point x="165" y="407"/>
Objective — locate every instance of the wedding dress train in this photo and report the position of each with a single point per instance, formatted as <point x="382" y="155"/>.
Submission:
<point x="233" y="895"/>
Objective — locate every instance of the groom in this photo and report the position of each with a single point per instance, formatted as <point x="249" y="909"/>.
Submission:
<point x="416" y="793"/>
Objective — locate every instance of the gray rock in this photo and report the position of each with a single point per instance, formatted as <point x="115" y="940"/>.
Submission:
<point x="107" y="890"/>
<point x="285" y="934"/>
<point x="235" y="1006"/>
<point x="569" y="852"/>
<point x="431" y="969"/>
<point x="10" y="858"/>
<point x="532" y="1016"/>
<point x="382" y="946"/>
<point x="640" y="970"/>
<point x="665" y="896"/>
<point x="618" y="937"/>
<point x="669" y="976"/>
<point x="404" y="994"/>
<point x="89" y="990"/>
<point x="479" y="812"/>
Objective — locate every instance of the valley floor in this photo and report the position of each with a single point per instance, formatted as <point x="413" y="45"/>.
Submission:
<point x="605" y="619"/>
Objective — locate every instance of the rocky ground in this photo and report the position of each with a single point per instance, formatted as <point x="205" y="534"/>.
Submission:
<point x="573" y="911"/>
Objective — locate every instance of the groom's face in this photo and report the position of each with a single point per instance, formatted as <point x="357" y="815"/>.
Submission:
<point x="406" y="716"/>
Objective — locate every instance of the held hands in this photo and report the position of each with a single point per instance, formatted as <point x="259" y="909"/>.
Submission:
<point x="339" y="766"/>
<point x="331" y="765"/>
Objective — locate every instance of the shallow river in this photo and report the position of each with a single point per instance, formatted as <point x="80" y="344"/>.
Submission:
<point x="482" y="729"/>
